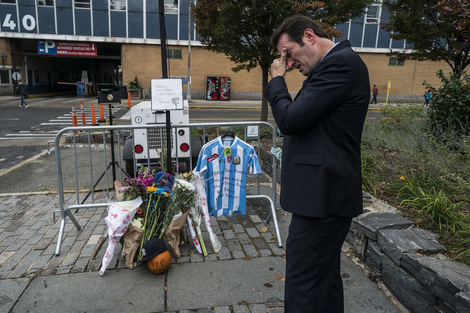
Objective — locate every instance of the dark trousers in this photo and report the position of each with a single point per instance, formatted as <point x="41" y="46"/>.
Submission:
<point x="23" y="100"/>
<point x="374" y="98"/>
<point x="313" y="277"/>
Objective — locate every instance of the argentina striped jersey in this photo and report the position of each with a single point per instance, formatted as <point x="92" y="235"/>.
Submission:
<point x="224" y="164"/>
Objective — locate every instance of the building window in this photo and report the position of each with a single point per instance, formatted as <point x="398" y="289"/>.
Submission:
<point x="82" y="4"/>
<point x="8" y="1"/>
<point x="373" y="14"/>
<point x="118" y="5"/>
<point x="175" y="53"/>
<point x="393" y="61"/>
<point x="46" y="3"/>
<point x="171" y="6"/>
<point x="42" y="77"/>
<point x="5" y="77"/>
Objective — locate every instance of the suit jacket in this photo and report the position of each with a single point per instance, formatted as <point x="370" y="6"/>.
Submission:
<point x="321" y="157"/>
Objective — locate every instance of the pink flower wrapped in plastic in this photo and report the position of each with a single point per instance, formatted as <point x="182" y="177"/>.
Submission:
<point x="120" y="215"/>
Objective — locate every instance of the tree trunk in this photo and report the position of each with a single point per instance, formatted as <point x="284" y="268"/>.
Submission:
<point x="264" y="102"/>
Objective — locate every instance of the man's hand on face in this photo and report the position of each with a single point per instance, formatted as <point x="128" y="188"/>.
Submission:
<point x="278" y="68"/>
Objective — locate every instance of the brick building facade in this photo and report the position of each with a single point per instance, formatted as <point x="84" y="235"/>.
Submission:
<point x="120" y="40"/>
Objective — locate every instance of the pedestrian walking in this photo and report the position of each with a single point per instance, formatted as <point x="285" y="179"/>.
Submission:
<point x="321" y="157"/>
<point x="375" y="92"/>
<point x="22" y="92"/>
<point x="427" y="97"/>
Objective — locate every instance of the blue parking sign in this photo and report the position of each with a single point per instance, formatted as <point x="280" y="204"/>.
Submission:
<point x="81" y="89"/>
<point x="47" y="47"/>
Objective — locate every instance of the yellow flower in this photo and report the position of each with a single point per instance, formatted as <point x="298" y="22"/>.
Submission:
<point x="403" y="178"/>
<point x="151" y="189"/>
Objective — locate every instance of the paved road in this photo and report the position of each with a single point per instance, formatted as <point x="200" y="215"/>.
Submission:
<point x="25" y="133"/>
<point x="44" y="116"/>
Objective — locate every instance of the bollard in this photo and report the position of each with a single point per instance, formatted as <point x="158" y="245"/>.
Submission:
<point x="128" y="100"/>
<point x="93" y="118"/>
<point x="83" y="113"/>
<point x="101" y="120"/>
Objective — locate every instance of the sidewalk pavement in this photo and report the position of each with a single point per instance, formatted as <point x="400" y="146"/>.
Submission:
<point x="247" y="275"/>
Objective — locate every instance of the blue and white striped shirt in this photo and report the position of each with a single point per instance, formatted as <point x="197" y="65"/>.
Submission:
<point x="224" y="164"/>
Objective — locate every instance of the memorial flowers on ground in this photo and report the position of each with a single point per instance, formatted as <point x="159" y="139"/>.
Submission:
<point x="167" y="204"/>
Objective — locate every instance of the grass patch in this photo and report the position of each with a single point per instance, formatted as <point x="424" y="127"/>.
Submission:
<point x="423" y="173"/>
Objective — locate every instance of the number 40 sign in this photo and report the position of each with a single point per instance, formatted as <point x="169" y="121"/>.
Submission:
<point x="28" y="22"/>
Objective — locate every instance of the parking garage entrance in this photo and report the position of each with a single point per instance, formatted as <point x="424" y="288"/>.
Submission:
<point x="57" y="66"/>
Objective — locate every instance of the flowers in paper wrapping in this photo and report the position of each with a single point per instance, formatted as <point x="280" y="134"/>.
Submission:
<point x="119" y="217"/>
<point x="132" y="239"/>
<point x="166" y="198"/>
<point x="167" y="202"/>
<point x="182" y="196"/>
<point x="201" y="205"/>
<point x="155" y="210"/>
<point x="194" y="235"/>
<point x="172" y="232"/>
<point x="194" y="223"/>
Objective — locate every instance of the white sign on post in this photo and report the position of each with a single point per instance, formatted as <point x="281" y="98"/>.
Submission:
<point x="252" y="131"/>
<point x="167" y="94"/>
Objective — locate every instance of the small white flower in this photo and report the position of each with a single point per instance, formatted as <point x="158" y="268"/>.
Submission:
<point x="184" y="184"/>
<point x="138" y="222"/>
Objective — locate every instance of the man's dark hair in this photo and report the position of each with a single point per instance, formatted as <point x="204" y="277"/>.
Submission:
<point x="295" y="26"/>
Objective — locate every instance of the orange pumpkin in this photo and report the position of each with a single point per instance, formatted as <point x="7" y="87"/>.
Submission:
<point x="160" y="263"/>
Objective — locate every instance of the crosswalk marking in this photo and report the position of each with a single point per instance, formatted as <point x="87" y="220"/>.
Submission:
<point x="69" y="117"/>
<point x="59" y="121"/>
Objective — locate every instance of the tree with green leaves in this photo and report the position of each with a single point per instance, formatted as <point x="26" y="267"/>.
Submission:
<point x="242" y="29"/>
<point x="435" y="30"/>
<point x="449" y="112"/>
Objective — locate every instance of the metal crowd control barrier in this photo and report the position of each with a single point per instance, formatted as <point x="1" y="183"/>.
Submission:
<point x="82" y="166"/>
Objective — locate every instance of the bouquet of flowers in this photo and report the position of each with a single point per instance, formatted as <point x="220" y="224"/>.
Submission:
<point x="182" y="197"/>
<point x="166" y="201"/>
<point x="119" y="217"/>
<point x="200" y="210"/>
<point x="155" y="211"/>
<point x="138" y="186"/>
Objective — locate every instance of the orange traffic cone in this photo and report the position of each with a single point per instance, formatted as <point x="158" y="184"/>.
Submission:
<point x="128" y="100"/>
<point x="101" y="120"/>
<point x="83" y="113"/>
<point x="93" y="118"/>
<point x="74" y="116"/>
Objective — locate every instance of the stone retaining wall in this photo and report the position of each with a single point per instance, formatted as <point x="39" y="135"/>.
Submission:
<point x="409" y="260"/>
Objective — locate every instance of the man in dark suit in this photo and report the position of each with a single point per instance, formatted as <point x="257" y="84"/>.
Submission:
<point x="321" y="158"/>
